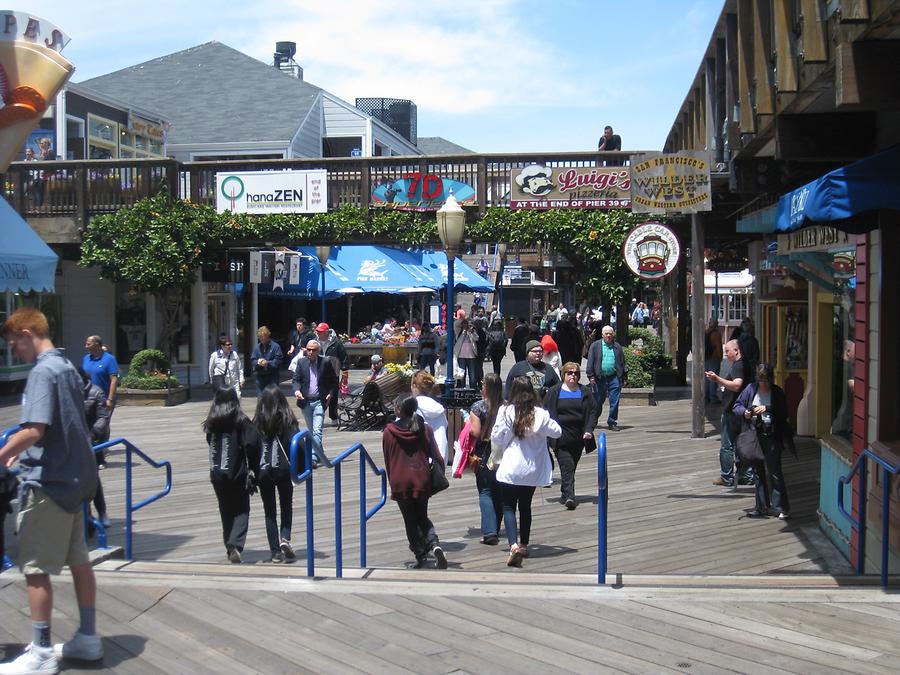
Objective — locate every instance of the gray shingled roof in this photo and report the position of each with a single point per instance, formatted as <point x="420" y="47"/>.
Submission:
<point x="435" y="145"/>
<point x="214" y="94"/>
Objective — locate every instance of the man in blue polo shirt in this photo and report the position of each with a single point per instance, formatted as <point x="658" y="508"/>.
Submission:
<point x="102" y="368"/>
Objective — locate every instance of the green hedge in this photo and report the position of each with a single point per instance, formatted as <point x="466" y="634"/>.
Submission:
<point x="147" y="370"/>
<point x="644" y="354"/>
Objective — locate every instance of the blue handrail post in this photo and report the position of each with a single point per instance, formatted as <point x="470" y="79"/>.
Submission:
<point x="885" y="525"/>
<point x="89" y="520"/>
<point x="602" y="504"/>
<point x="362" y="512"/>
<point x="862" y="503"/>
<point x="338" y="528"/>
<point x="310" y="526"/>
<point x="129" y="550"/>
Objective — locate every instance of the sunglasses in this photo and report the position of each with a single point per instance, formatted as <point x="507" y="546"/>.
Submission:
<point x="573" y="372"/>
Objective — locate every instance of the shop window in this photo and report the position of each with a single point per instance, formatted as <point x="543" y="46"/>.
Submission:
<point x="131" y="322"/>
<point x="103" y="138"/>
<point x="738" y="307"/>
<point x="843" y="349"/>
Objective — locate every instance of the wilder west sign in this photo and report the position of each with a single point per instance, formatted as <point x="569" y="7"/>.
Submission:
<point x="677" y="183"/>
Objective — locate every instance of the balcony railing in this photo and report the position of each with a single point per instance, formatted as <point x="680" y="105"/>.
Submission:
<point x="80" y="189"/>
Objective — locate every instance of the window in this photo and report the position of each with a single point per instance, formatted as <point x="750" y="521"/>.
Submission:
<point x="738" y="307"/>
<point x="843" y="349"/>
<point x="103" y="138"/>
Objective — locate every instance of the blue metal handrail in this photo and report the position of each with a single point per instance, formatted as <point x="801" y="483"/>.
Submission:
<point x="305" y="438"/>
<point x="861" y="466"/>
<point x="364" y="515"/>
<point x="130" y="507"/>
<point x="6" y="563"/>
<point x="602" y="504"/>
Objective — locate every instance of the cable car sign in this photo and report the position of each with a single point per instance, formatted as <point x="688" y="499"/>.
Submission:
<point x="651" y="250"/>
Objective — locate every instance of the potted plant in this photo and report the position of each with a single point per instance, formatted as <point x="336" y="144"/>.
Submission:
<point x="149" y="382"/>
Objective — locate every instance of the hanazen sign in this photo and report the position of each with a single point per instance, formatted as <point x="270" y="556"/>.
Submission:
<point x="257" y="192"/>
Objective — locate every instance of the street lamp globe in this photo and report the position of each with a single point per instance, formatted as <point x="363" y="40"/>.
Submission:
<point x="323" y="253"/>
<point x="451" y="223"/>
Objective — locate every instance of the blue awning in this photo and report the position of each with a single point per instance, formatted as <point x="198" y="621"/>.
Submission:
<point x="26" y="262"/>
<point x="870" y="184"/>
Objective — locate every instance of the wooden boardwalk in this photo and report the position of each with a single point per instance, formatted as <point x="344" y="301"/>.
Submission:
<point x="694" y="587"/>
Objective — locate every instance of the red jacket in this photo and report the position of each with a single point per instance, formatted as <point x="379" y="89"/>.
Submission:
<point x="406" y="460"/>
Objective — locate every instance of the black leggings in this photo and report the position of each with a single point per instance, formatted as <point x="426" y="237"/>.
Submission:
<point x="419" y="529"/>
<point x="285" y="489"/>
<point x="517" y="496"/>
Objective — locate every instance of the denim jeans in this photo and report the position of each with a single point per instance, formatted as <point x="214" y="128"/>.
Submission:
<point x="517" y="496"/>
<point x="727" y="458"/>
<point x="427" y="361"/>
<point x="274" y="533"/>
<point x="468" y="367"/>
<point x="772" y="467"/>
<point x="488" y="500"/>
<point x="608" y="385"/>
<point x="314" y="414"/>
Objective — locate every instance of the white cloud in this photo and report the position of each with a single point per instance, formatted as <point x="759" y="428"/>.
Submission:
<point x="461" y="58"/>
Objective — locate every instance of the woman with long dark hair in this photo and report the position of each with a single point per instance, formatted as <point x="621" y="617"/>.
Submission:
<point x="409" y="451"/>
<point x="496" y="345"/>
<point x="763" y="405"/>
<point x="233" y="449"/>
<point x="522" y="429"/>
<point x="572" y="405"/>
<point x="481" y="420"/>
<point x="276" y="425"/>
<point x="427" y="348"/>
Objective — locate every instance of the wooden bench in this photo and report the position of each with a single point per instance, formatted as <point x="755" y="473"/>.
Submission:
<point x="373" y="406"/>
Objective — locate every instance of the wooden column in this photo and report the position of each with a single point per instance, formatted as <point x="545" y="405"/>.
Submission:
<point x="698" y="380"/>
<point x="745" y="65"/>
<point x="814" y="47"/>
<point x="785" y="63"/>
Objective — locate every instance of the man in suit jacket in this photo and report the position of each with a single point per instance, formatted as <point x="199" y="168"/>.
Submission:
<point x="316" y="383"/>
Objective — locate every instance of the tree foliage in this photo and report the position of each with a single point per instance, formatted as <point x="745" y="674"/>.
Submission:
<point x="158" y="243"/>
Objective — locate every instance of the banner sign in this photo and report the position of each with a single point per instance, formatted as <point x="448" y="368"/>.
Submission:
<point x="232" y="267"/>
<point x="274" y="268"/>
<point x="419" y="192"/>
<point x="272" y="191"/>
<point x="651" y="250"/>
<point x="542" y="187"/>
<point x="814" y="239"/>
<point x="678" y="183"/>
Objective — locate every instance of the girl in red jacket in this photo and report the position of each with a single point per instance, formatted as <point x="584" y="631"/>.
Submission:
<point x="409" y="449"/>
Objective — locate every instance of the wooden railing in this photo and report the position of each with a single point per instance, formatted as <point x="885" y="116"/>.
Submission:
<point x="80" y="189"/>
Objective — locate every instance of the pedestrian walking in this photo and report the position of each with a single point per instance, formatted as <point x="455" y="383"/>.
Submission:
<point x="233" y="448"/>
<point x="276" y="425"/>
<point x="427" y="348"/>
<point x="97" y="417"/>
<point x="266" y="360"/>
<point x="226" y="367"/>
<point x="607" y="372"/>
<point x="422" y="386"/>
<point x="482" y="417"/>
<point x="521" y="430"/>
<point x="58" y="472"/>
<point x="571" y="404"/>
<point x="409" y="452"/>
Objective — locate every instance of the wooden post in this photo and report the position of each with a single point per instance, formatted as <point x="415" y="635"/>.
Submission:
<point x="698" y="380"/>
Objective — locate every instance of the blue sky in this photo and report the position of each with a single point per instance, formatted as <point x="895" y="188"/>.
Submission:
<point x="491" y="75"/>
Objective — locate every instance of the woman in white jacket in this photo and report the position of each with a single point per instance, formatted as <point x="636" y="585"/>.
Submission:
<point x="522" y="429"/>
<point x="434" y="414"/>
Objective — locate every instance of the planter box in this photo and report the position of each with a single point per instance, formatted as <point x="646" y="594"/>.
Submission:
<point x="637" y="396"/>
<point x="155" y="397"/>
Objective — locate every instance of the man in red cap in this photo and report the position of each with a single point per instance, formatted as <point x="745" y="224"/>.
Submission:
<point x="332" y="346"/>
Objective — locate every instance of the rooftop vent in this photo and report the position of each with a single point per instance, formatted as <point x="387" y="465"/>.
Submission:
<point x="283" y="59"/>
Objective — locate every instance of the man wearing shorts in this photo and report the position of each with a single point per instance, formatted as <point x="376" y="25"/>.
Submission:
<point x="57" y="473"/>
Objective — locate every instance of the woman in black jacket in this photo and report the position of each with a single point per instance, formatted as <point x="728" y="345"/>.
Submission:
<point x="496" y="346"/>
<point x="233" y="448"/>
<point x="572" y="406"/>
<point x="763" y="405"/>
<point x="276" y="425"/>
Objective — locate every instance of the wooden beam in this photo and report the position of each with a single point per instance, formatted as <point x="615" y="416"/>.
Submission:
<point x="854" y="10"/>
<point x="813" y="46"/>
<point x="732" y="91"/>
<point x="712" y="125"/>
<point x="702" y="130"/>
<point x="764" y="102"/>
<point x="785" y="60"/>
<point x="745" y="65"/>
<point x="721" y="107"/>
<point x="867" y="74"/>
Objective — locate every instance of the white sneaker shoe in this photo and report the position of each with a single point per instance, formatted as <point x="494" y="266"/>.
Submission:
<point x="34" y="660"/>
<point x="82" y="647"/>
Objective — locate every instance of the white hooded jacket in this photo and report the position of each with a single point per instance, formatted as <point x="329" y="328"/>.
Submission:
<point x="436" y="417"/>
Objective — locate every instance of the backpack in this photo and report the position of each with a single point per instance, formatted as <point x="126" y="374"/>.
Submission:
<point x="274" y="464"/>
<point x="496" y="342"/>
<point x="225" y="459"/>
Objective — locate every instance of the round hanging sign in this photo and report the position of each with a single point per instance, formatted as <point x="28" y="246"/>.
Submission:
<point x="651" y="250"/>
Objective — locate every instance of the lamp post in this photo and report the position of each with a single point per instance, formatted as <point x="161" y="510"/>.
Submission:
<point x="451" y="222"/>
<point x="323" y="253"/>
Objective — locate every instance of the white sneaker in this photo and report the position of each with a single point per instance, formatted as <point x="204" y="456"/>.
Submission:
<point x="82" y="647"/>
<point x="34" y="659"/>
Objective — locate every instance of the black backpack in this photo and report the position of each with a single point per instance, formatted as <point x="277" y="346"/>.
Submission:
<point x="274" y="464"/>
<point x="225" y="456"/>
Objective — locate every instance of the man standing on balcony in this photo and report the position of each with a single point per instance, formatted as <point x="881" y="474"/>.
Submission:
<point x="58" y="474"/>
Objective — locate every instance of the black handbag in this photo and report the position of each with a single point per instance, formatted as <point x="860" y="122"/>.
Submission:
<point x="590" y="444"/>
<point x="747" y="444"/>
<point x="439" y="481"/>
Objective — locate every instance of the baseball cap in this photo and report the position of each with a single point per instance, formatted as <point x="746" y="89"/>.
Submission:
<point x="376" y="358"/>
<point x="322" y="327"/>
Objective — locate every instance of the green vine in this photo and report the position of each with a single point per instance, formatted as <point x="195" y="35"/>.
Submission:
<point x="148" y="370"/>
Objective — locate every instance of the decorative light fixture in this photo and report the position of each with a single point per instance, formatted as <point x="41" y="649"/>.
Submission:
<point x="451" y="225"/>
<point x="323" y="253"/>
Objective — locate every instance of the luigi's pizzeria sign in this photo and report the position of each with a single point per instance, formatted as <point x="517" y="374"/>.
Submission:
<point x="543" y="187"/>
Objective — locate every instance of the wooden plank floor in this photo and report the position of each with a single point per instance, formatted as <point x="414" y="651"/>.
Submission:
<point x="208" y="624"/>
<point x="665" y="516"/>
